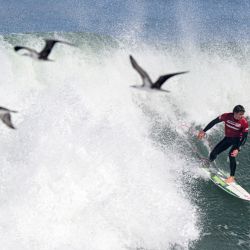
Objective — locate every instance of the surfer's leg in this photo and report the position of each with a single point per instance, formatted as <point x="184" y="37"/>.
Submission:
<point x="232" y="162"/>
<point x="232" y="159"/>
<point x="220" y="147"/>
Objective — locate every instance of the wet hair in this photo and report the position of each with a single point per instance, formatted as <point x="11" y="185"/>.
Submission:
<point x="238" y="109"/>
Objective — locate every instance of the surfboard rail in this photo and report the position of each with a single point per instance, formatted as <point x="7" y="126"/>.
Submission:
<point x="218" y="178"/>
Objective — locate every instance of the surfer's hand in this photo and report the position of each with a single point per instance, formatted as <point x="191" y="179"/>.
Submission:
<point x="235" y="153"/>
<point x="201" y="134"/>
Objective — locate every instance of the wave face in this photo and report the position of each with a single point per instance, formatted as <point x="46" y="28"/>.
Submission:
<point x="95" y="164"/>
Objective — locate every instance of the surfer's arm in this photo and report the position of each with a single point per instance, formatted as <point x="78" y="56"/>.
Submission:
<point x="202" y="133"/>
<point x="243" y="140"/>
<point x="211" y="124"/>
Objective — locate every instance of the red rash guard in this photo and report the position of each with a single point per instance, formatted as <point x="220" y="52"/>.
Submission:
<point x="233" y="127"/>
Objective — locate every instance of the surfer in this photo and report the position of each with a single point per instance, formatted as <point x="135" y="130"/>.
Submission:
<point x="236" y="131"/>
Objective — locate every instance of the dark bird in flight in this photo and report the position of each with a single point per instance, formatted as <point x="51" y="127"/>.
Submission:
<point x="5" y="116"/>
<point x="43" y="55"/>
<point x="147" y="82"/>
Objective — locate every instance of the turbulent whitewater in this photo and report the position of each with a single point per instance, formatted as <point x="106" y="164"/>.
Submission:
<point x="95" y="164"/>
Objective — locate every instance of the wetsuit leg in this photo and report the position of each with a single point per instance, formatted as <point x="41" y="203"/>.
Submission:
<point x="232" y="162"/>
<point x="220" y="147"/>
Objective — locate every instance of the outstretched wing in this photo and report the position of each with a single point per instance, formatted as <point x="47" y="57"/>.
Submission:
<point x="7" y="120"/>
<point x="47" y="49"/>
<point x="32" y="51"/>
<point x="144" y="75"/>
<point x="164" y="78"/>
<point x="8" y="110"/>
<point x="50" y="43"/>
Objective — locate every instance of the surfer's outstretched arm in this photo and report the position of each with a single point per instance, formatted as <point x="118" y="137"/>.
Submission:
<point x="210" y="125"/>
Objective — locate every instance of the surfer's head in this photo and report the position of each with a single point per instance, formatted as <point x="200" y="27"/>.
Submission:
<point x="238" y="111"/>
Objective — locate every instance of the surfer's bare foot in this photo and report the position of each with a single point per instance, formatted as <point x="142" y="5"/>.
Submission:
<point x="230" y="179"/>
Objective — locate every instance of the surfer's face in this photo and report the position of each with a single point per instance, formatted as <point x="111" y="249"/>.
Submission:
<point x="238" y="116"/>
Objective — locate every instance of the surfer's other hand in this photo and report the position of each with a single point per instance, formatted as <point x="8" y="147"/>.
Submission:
<point x="235" y="153"/>
<point x="201" y="134"/>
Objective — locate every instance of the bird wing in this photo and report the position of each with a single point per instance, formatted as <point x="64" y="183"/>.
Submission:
<point x="144" y="75"/>
<point x="49" y="46"/>
<point x="8" y="110"/>
<point x="7" y="120"/>
<point x="164" y="78"/>
<point x="32" y="51"/>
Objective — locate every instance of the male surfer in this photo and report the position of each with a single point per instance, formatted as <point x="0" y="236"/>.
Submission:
<point x="236" y="130"/>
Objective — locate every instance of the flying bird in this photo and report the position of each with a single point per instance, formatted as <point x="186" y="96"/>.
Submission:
<point x="6" y="117"/>
<point x="147" y="82"/>
<point x="43" y="55"/>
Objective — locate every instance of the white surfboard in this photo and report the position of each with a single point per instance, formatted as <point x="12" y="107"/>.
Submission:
<point x="218" y="177"/>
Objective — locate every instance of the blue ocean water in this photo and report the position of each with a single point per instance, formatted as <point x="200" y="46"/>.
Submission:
<point x="96" y="165"/>
<point x="154" y="20"/>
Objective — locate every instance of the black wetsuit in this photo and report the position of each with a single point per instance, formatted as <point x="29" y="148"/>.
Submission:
<point x="225" y="143"/>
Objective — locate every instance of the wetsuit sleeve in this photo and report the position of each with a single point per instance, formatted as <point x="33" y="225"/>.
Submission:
<point x="243" y="139"/>
<point x="244" y="134"/>
<point x="212" y="123"/>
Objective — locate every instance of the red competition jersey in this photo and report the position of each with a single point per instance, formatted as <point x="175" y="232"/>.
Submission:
<point x="233" y="127"/>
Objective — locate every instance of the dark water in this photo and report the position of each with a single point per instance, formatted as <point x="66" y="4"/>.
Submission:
<point x="225" y="218"/>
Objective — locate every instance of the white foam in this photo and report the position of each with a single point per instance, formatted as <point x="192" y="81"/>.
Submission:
<point x="81" y="171"/>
